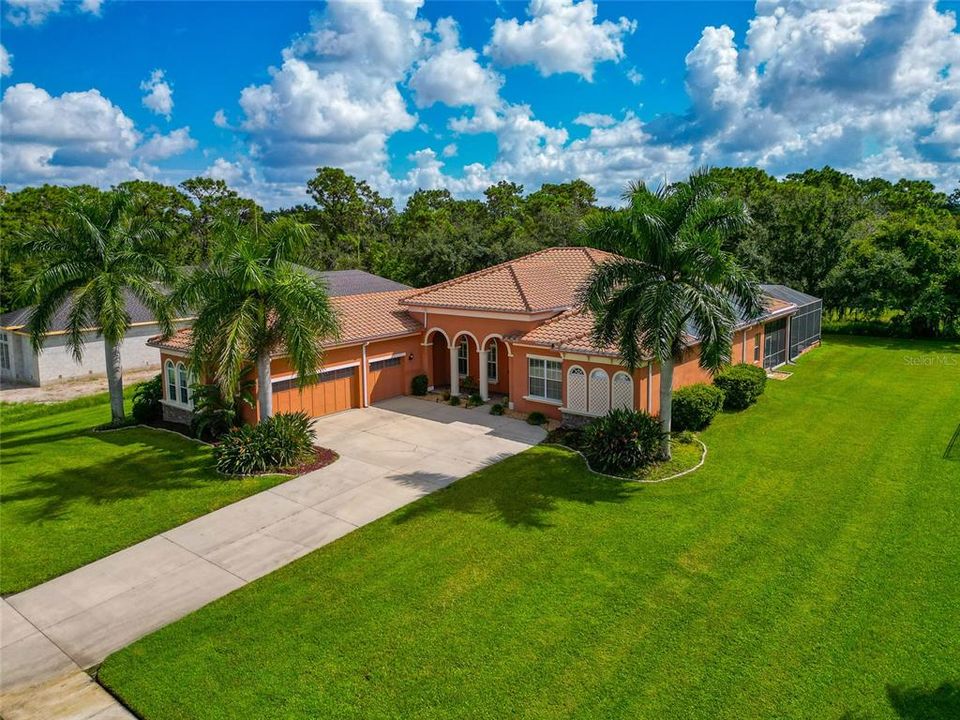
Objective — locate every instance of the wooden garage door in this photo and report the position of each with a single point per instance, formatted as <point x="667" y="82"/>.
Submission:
<point x="386" y="379"/>
<point x="333" y="391"/>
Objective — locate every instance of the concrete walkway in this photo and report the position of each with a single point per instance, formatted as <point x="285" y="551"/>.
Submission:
<point x="390" y="455"/>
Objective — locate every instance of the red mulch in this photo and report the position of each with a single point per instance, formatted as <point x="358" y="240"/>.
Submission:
<point x="323" y="457"/>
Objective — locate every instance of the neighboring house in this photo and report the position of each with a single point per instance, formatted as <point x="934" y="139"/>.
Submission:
<point x="512" y="330"/>
<point x="20" y="363"/>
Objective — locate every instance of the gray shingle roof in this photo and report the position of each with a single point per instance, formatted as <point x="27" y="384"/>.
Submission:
<point x="14" y="319"/>
<point x="354" y="282"/>
<point x="338" y="282"/>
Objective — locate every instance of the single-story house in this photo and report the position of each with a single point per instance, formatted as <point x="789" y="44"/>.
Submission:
<point x="20" y="363"/>
<point x="512" y="330"/>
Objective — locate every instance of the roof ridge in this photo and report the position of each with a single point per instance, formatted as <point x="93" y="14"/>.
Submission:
<point x="483" y="271"/>
<point x="516" y="281"/>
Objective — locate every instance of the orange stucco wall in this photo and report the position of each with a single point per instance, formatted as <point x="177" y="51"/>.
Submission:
<point x="429" y="354"/>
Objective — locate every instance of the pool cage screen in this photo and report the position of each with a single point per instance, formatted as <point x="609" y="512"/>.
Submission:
<point x="786" y="340"/>
<point x="805" y="327"/>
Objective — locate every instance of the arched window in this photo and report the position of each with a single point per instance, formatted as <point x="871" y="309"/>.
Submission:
<point x="576" y="389"/>
<point x="171" y="381"/>
<point x="492" y="361"/>
<point x="183" y="384"/>
<point x="621" y="393"/>
<point x="599" y="398"/>
<point x="463" y="357"/>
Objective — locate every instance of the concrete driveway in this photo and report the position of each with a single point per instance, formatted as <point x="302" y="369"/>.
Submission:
<point x="390" y="455"/>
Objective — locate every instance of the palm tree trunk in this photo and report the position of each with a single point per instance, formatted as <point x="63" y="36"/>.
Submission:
<point x="264" y="386"/>
<point x="111" y="352"/>
<point x="666" y="406"/>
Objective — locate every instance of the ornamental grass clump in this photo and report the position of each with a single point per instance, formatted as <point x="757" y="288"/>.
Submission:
<point x="621" y="440"/>
<point x="282" y="441"/>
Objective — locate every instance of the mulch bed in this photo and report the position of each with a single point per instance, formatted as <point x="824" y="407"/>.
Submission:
<point x="323" y="457"/>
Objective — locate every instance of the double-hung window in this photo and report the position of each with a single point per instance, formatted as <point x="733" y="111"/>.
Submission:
<point x="492" y="361"/>
<point x="171" y="381"/>
<point x="545" y="379"/>
<point x="178" y="384"/>
<point x="463" y="362"/>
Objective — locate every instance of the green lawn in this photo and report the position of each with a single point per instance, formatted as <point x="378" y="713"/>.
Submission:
<point x="71" y="496"/>
<point x="810" y="570"/>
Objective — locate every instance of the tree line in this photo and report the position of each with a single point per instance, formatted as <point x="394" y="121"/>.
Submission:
<point x="869" y="247"/>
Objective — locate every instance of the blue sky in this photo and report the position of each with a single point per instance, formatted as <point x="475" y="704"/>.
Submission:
<point x="462" y="94"/>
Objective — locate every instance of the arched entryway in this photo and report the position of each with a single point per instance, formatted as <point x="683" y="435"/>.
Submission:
<point x="438" y="374"/>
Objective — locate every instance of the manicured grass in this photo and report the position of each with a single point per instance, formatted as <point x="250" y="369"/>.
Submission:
<point x="810" y="570"/>
<point x="71" y="496"/>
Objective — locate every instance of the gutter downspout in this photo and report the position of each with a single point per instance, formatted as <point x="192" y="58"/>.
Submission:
<point x="363" y="377"/>
<point x="743" y="347"/>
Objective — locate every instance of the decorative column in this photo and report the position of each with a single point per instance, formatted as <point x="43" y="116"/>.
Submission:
<point x="454" y="371"/>
<point x="484" y="382"/>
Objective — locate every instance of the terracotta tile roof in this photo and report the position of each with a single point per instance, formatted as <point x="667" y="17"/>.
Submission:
<point x="543" y="281"/>
<point x="571" y="331"/>
<point x="362" y="317"/>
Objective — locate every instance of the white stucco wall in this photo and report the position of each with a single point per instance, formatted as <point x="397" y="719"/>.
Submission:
<point x="56" y="363"/>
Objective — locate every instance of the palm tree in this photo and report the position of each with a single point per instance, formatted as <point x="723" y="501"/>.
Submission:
<point x="102" y="250"/>
<point x="251" y="301"/>
<point x="672" y="277"/>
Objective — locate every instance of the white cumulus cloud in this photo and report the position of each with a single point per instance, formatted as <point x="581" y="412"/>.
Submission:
<point x="6" y="62"/>
<point x="36" y="12"/>
<point x="452" y="75"/>
<point x="160" y="147"/>
<point x="335" y="99"/>
<point x="158" y="95"/>
<point x="560" y="36"/>
<point x="594" y="120"/>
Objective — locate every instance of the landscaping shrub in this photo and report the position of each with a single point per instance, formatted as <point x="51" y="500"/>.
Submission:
<point x="281" y="441"/>
<point x="536" y="418"/>
<point x="741" y="384"/>
<point x="474" y="400"/>
<point x="695" y="406"/>
<point x="621" y="440"/>
<point x="214" y="415"/>
<point x="469" y="385"/>
<point x="146" y="400"/>
<point x="419" y="384"/>
<point x="454" y="400"/>
<point x="446" y="395"/>
<point x="685" y="437"/>
<point x="496" y="409"/>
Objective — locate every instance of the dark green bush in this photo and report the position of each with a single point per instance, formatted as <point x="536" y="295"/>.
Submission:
<point x="685" y="437"/>
<point x="469" y="385"/>
<point x="695" y="406"/>
<point x="419" y="384"/>
<point x="536" y="418"/>
<point x="496" y="409"/>
<point x="474" y="400"/>
<point x="741" y="384"/>
<point x="281" y="441"/>
<point x="621" y="440"/>
<point x="214" y="415"/>
<point x="454" y="400"/>
<point x="146" y="400"/>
